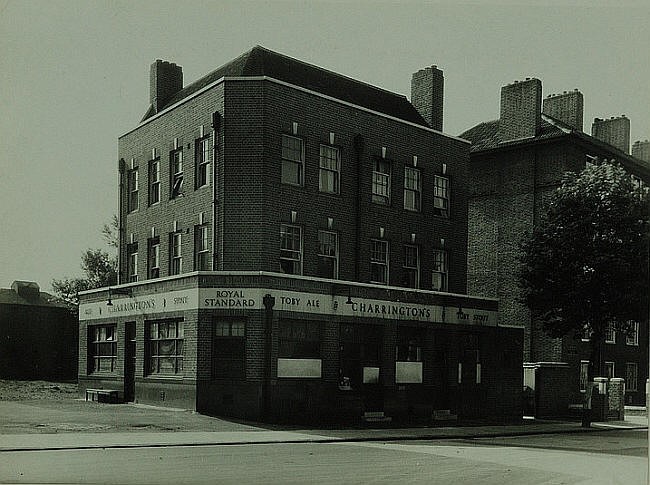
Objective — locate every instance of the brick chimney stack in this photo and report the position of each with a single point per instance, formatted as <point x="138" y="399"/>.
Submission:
<point x="567" y="107"/>
<point x="166" y="79"/>
<point x="641" y="150"/>
<point x="521" y="109"/>
<point x="427" y="89"/>
<point x="615" y="131"/>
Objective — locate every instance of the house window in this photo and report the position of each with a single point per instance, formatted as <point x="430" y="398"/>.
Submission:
<point x="154" y="181"/>
<point x="631" y="376"/>
<point x="441" y="196"/>
<point x="609" y="369"/>
<point x="132" y="262"/>
<point x="132" y="189"/>
<point x="610" y="334"/>
<point x="299" y="340"/>
<point x="293" y="156"/>
<point x="411" y="266"/>
<point x="176" y="173"/>
<point x="201" y="248"/>
<point x="165" y="347"/>
<point x="379" y="261"/>
<point x="586" y="333"/>
<point x="229" y="349"/>
<point x="176" y="258"/>
<point x="329" y="175"/>
<point x="290" y="249"/>
<point x="584" y="375"/>
<point x="202" y="162"/>
<point x="102" y="348"/>
<point x="328" y="254"/>
<point x="381" y="182"/>
<point x="632" y="337"/>
<point x="412" y="189"/>
<point x="439" y="275"/>
<point x="153" y="258"/>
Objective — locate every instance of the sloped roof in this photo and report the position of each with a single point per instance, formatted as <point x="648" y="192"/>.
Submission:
<point x="10" y="297"/>
<point x="263" y="62"/>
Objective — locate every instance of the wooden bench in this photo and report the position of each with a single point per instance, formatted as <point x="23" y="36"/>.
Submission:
<point x="102" y="395"/>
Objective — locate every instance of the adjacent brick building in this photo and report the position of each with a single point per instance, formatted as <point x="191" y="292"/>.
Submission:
<point x="516" y="163"/>
<point x="38" y="334"/>
<point x="293" y="243"/>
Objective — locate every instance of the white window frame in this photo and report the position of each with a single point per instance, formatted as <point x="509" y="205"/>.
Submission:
<point x="416" y="268"/>
<point x="132" y="262"/>
<point x="381" y="181"/>
<point x="377" y="261"/>
<point x="325" y="168"/>
<point x="610" y="369"/>
<point x="335" y="247"/>
<point x="632" y="338"/>
<point x="289" y="252"/>
<point x="412" y="185"/>
<point x="177" y="175"/>
<point x="133" y="181"/>
<point x="102" y="337"/>
<point x="610" y="333"/>
<point x="631" y="384"/>
<point x="154" y="181"/>
<point x="176" y="254"/>
<point x="202" y="248"/>
<point x="440" y="262"/>
<point x="289" y="158"/>
<point x="153" y="258"/>
<point x="175" y="337"/>
<point x="441" y="195"/>
<point x="203" y="159"/>
<point x="583" y="380"/>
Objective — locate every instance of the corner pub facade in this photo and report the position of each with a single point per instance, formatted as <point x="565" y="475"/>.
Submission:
<point x="293" y="247"/>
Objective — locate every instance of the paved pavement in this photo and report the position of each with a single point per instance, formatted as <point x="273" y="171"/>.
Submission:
<point x="76" y="424"/>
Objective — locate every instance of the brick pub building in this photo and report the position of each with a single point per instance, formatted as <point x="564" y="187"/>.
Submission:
<point x="293" y="246"/>
<point x="516" y="162"/>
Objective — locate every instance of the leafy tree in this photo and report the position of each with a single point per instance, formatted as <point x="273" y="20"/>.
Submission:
<point x="585" y="266"/>
<point x="99" y="268"/>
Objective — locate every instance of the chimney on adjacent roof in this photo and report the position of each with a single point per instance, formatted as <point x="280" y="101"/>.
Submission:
<point x="26" y="289"/>
<point x="641" y="150"/>
<point x="615" y="131"/>
<point x="427" y="89"/>
<point x="166" y="79"/>
<point x="566" y="107"/>
<point x="521" y="109"/>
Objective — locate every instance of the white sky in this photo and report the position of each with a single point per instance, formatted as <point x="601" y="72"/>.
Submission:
<point x="74" y="75"/>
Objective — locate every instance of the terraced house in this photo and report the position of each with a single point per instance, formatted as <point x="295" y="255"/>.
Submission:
<point x="293" y="245"/>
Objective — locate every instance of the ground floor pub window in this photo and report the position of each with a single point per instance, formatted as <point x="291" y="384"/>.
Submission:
<point x="299" y="339"/>
<point x="229" y="349"/>
<point x="360" y="355"/>
<point x="165" y="340"/>
<point x="102" y="348"/>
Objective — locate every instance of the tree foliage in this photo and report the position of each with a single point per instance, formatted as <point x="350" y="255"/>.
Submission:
<point x="586" y="263"/>
<point x="98" y="266"/>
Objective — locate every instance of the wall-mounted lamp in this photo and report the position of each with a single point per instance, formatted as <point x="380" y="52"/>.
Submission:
<point x="117" y="291"/>
<point x="349" y="302"/>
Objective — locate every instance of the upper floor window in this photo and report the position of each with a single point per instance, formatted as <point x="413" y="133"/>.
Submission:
<point x="379" y="261"/>
<point x="102" y="348"/>
<point x="632" y="337"/>
<point x="154" y="181"/>
<point x="441" y="196"/>
<point x="203" y="157"/>
<point x="412" y="189"/>
<point x="439" y="275"/>
<point x="201" y="248"/>
<point x="176" y="173"/>
<point x="291" y="249"/>
<point x="328" y="254"/>
<point x="411" y="266"/>
<point x="165" y="347"/>
<point x="610" y="333"/>
<point x="153" y="264"/>
<point x="175" y="254"/>
<point x="293" y="160"/>
<point x="330" y="165"/>
<point x="132" y="189"/>
<point x="381" y="181"/>
<point x="132" y="262"/>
